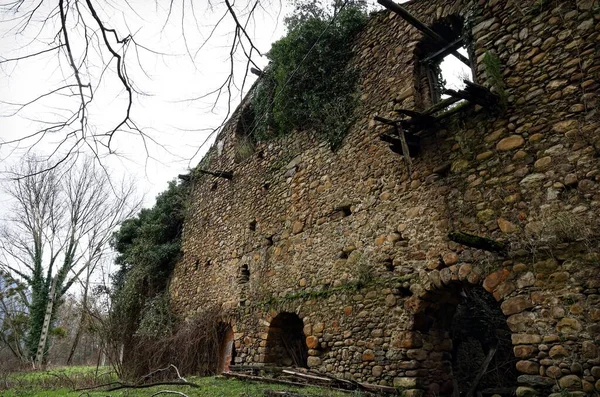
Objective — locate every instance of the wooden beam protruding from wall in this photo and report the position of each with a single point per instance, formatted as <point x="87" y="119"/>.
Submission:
<point x="390" y="5"/>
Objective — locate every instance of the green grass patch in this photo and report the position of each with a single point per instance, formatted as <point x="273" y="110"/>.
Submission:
<point x="64" y="381"/>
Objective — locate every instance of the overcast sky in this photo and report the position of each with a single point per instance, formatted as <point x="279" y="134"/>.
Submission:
<point x="178" y="62"/>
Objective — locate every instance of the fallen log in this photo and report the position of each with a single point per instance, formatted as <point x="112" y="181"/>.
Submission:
<point x="273" y="393"/>
<point x="255" y="378"/>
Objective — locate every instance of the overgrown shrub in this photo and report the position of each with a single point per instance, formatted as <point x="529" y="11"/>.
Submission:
<point x="191" y="346"/>
<point x="148" y="246"/>
<point x="309" y="84"/>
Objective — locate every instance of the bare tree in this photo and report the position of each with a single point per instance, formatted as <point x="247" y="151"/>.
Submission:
<point x="95" y="49"/>
<point x="59" y="229"/>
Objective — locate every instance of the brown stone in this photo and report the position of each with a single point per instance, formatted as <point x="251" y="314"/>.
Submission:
<point x="492" y="281"/>
<point x="509" y="143"/>
<point x="558" y="351"/>
<point x="318" y="328"/>
<point x="528" y="367"/>
<point x="368" y="355"/>
<point x="554" y="372"/>
<point x="543" y="163"/>
<point x="463" y="271"/>
<point x="312" y="342"/>
<point x="504" y="290"/>
<point x="515" y="305"/>
<point x="525" y="339"/>
<point x="450" y="258"/>
<point x="520" y="322"/>
<point x="446" y="276"/>
<point x="568" y="325"/>
<point x="589" y="350"/>
<point x="377" y="370"/>
<point x="297" y="227"/>
<point x="435" y="278"/>
<point x="390" y="300"/>
<point x="570" y="382"/>
<point x="524" y="351"/>
<point x="564" y="126"/>
<point x="506" y="226"/>
<point x="313" y="362"/>
<point x="484" y="156"/>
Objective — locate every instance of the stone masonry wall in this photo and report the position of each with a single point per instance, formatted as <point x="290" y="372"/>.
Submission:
<point x="358" y="249"/>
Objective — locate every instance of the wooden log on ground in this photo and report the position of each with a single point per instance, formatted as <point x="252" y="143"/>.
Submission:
<point x="471" y="240"/>
<point x="273" y="393"/>
<point x="263" y="379"/>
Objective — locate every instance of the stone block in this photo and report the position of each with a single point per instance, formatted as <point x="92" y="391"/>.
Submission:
<point x="515" y="305"/>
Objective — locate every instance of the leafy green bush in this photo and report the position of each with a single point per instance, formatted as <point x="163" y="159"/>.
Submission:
<point x="309" y="84"/>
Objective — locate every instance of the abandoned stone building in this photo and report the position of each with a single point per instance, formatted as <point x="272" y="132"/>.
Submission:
<point x="480" y="249"/>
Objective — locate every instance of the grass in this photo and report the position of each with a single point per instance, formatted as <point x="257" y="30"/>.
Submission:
<point x="63" y="382"/>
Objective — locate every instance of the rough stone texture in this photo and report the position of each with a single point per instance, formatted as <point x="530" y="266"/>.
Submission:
<point x="324" y="222"/>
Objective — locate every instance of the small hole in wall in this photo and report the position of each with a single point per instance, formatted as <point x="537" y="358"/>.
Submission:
<point x="252" y="226"/>
<point x="270" y="240"/>
<point x="208" y="263"/>
<point x="389" y="264"/>
<point x="197" y="264"/>
<point x="346" y="210"/>
<point x="266" y="186"/>
<point x="243" y="302"/>
<point x="341" y="212"/>
<point x="343" y="255"/>
<point x="214" y="186"/>
<point x="405" y="292"/>
<point x="260" y="154"/>
<point x="244" y="275"/>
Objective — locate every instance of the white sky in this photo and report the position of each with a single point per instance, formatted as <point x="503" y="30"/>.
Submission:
<point x="178" y="126"/>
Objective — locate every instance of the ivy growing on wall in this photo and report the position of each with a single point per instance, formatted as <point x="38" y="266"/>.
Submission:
<point x="309" y="84"/>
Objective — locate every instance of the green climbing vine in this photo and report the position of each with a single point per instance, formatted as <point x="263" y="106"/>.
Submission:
<point x="309" y="84"/>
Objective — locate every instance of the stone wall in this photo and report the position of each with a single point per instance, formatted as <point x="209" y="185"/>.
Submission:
<point x="358" y="248"/>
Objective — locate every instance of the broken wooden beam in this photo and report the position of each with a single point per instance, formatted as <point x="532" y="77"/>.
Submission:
<point x="446" y="50"/>
<point x="473" y="241"/>
<point x="443" y="104"/>
<point x="385" y="121"/>
<point x="390" y="5"/>
<point x="218" y="174"/>
<point x="413" y="145"/>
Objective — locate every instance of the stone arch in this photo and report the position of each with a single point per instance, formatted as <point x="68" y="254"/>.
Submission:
<point x="467" y="329"/>
<point x="286" y="342"/>
<point x="227" y="351"/>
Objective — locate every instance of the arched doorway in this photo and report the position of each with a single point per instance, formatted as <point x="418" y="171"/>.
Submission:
<point x="286" y="342"/>
<point x="468" y="330"/>
<point x="226" y="348"/>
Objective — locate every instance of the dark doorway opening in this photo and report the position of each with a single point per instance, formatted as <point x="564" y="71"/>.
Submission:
<point x="478" y="352"/>
<point x="226" y="348"/>
<point x="286" y="342"/>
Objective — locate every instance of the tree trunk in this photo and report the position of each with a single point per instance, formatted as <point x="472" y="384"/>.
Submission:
<point x="39" y="357"/>
<point x="82" y="319"/>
